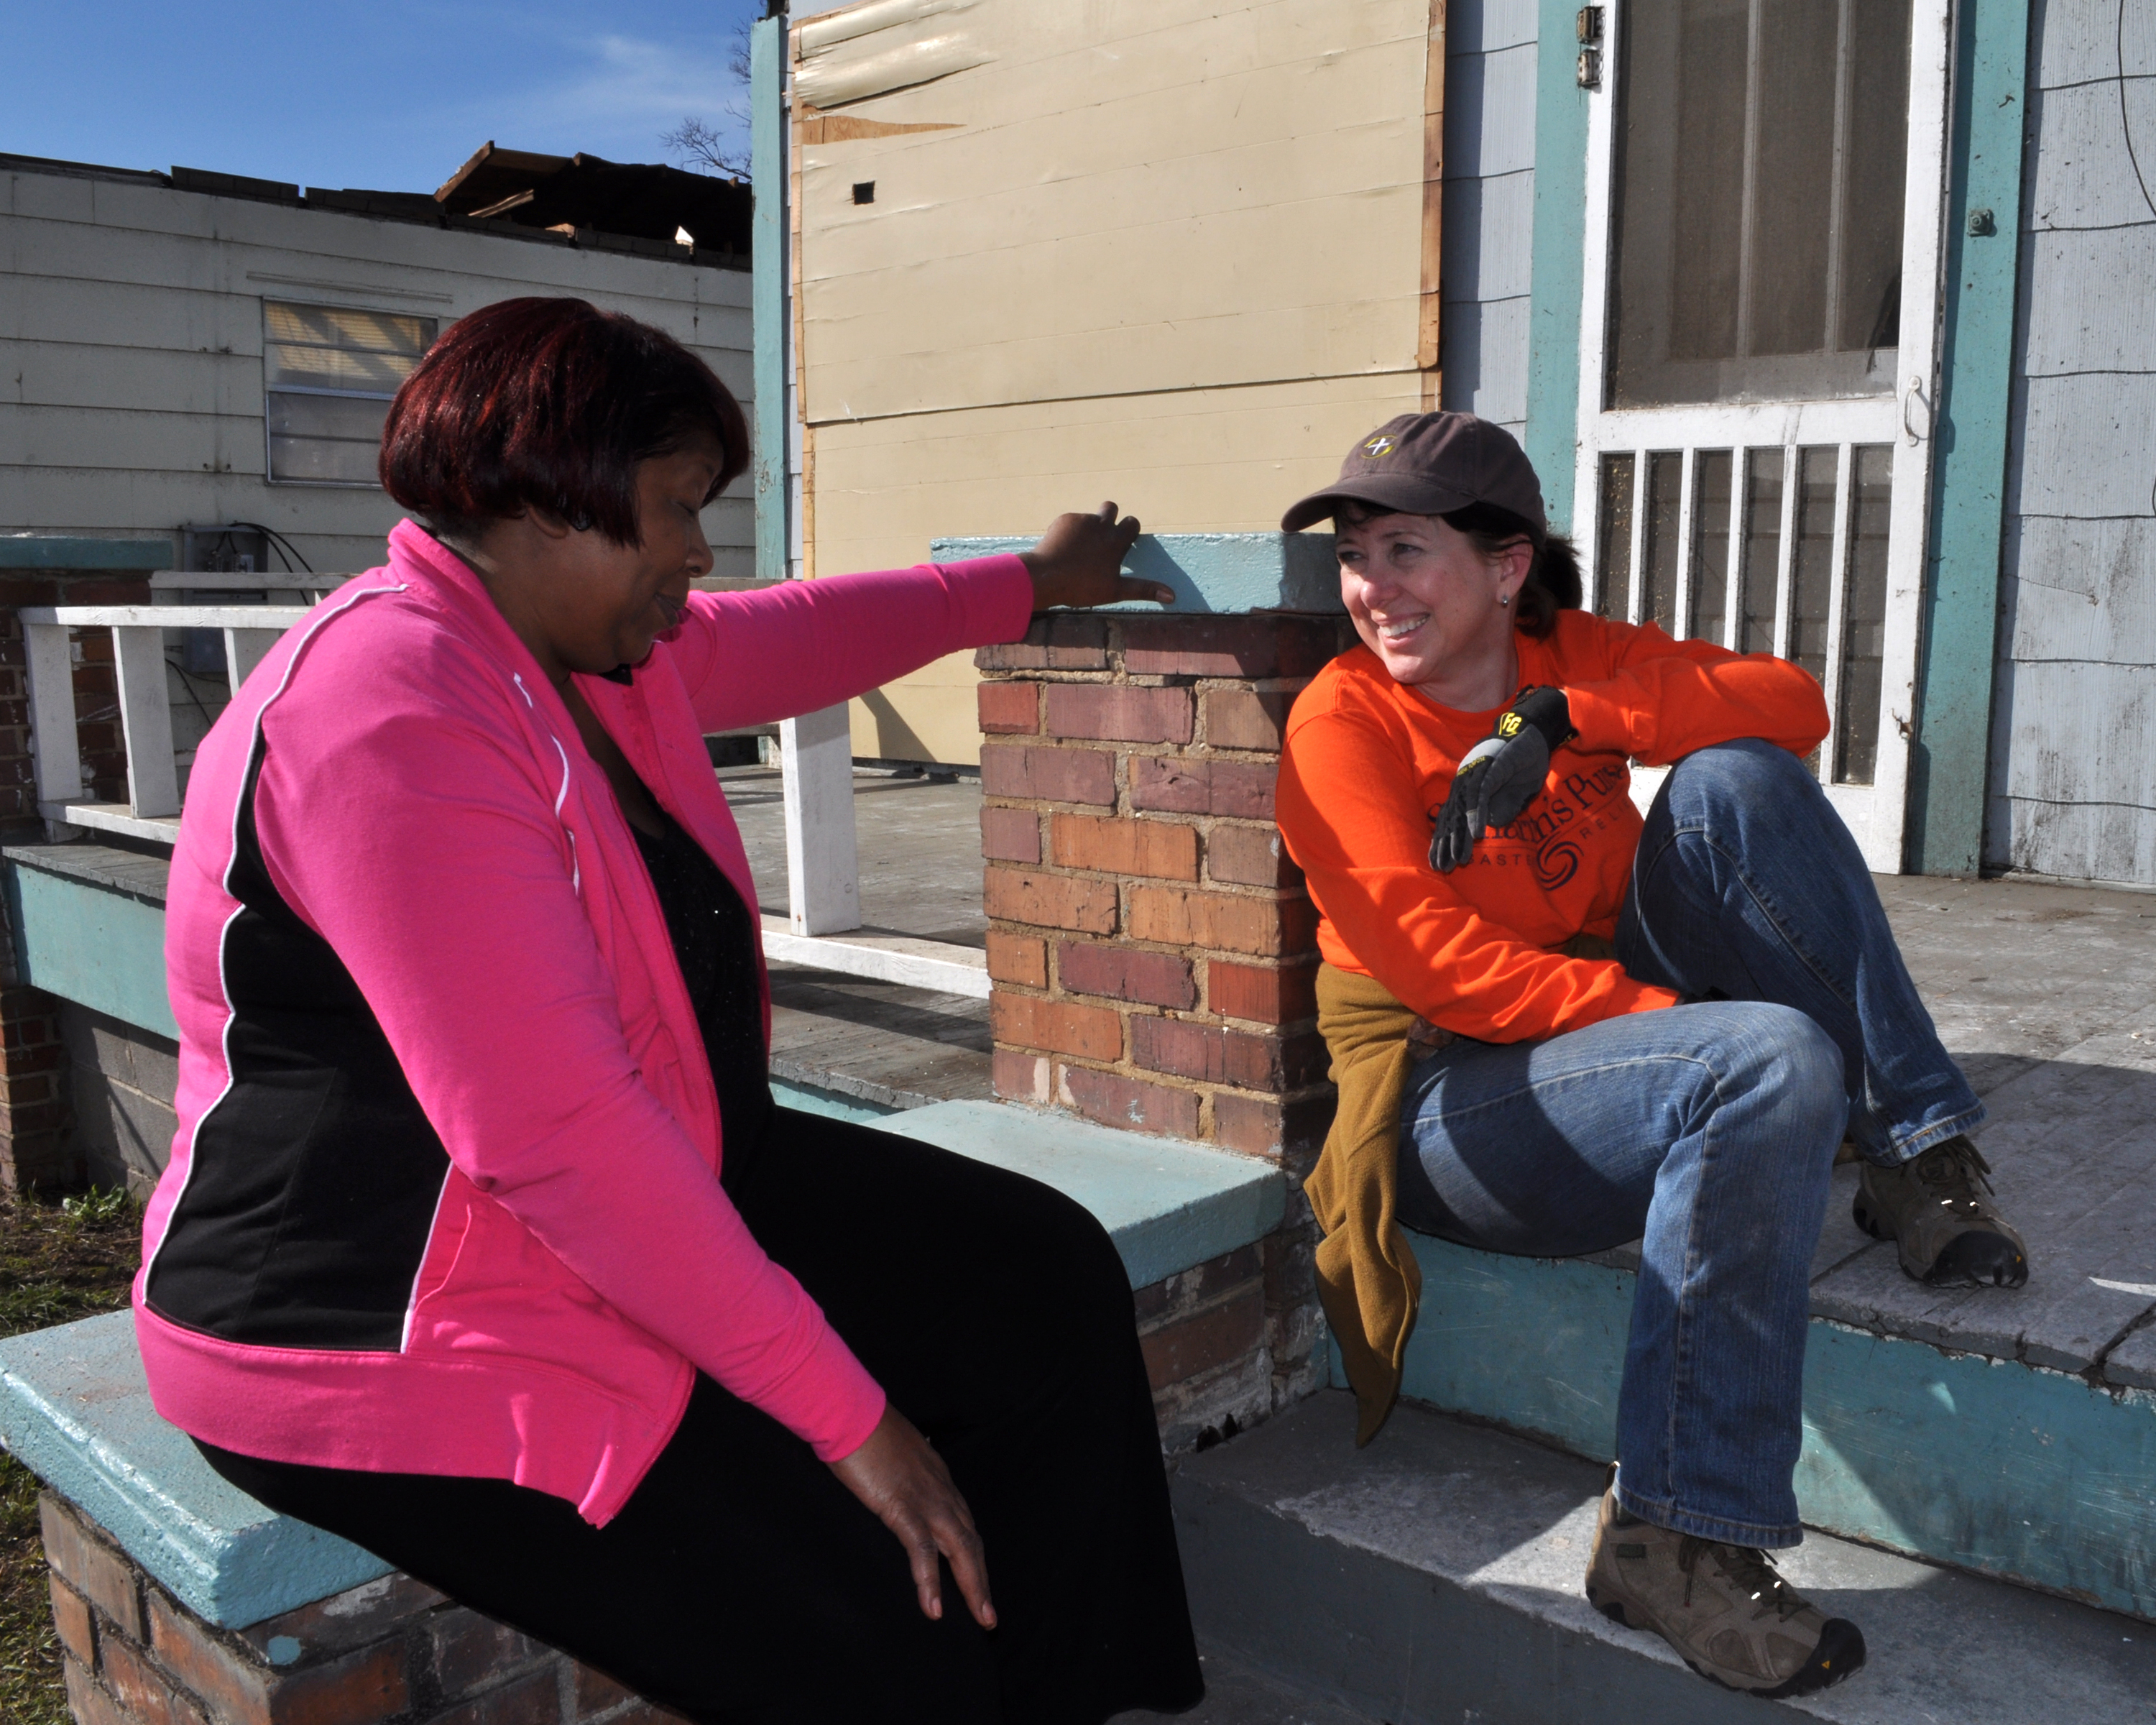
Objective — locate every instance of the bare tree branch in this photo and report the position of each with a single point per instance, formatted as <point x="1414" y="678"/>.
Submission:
<point x="703" y="148"/>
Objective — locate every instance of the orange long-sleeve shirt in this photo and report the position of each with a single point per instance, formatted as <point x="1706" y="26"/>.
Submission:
<point x="1367" y="763"/>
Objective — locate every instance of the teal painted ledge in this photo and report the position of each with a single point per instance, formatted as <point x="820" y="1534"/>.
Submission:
<point x="814" y="1099"/>
<point x="1168" y="1205"/>
<point x="75" y="1411"/>
<point x="1218" y="572"/>
<point x="58" y="551"/>
<point x="91" y="933"/>
<point x="1992" y="1466"/>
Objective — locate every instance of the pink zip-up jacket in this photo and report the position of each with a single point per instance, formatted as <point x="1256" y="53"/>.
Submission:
<point x="444" y="1194"/>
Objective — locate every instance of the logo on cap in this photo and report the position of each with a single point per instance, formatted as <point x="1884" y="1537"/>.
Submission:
<point x="1378" y="446"/>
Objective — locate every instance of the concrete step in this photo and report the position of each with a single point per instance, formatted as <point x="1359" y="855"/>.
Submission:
<point x="1238" y="1694"/>
<point x="1993" y="1464"/>
<point x="1436" y="1577"/>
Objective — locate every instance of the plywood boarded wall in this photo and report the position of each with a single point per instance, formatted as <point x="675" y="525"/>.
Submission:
<point x="1176" y="252"/>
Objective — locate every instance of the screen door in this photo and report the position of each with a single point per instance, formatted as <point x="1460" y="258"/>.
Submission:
<point x="1758" y="356"/>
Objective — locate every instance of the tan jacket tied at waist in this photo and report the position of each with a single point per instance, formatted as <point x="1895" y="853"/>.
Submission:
<point x="1368" y="1279"/>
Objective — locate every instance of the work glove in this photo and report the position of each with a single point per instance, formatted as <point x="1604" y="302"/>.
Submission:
<point x="1501" y="775"/>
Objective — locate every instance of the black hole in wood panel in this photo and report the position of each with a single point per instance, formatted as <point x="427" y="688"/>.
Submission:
<point x="864" y="192"/>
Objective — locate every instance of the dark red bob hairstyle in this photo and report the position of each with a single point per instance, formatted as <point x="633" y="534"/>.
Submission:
<point x="549" y="404"/>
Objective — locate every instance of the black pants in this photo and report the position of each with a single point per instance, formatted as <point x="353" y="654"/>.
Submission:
<point x="741" y="1582"/>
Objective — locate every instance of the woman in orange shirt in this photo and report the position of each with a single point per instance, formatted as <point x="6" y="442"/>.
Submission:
<point x="1598" y="1028"/>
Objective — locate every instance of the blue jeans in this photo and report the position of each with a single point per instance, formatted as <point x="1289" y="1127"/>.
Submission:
<point x="1707" y="1130"/>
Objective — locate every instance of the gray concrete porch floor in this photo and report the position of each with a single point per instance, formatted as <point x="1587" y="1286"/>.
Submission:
<point x="2045" y="995"/>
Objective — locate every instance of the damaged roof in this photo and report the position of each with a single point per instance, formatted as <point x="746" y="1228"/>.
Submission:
<point x="644" y="200"/>
<point x="559" y="200"/>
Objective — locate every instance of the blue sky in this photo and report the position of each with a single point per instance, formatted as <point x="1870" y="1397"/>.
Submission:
<point x="390" y="94"/>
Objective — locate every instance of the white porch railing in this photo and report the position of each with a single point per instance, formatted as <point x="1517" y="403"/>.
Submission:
<point x="823" y="869"/>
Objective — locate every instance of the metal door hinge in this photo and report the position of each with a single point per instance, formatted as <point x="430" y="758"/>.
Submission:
<point x="1589" y="26"/>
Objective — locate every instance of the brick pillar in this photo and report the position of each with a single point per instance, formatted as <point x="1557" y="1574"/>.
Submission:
<point x="33" y="1076"/>
<point x="1152" y="951"/>
<point x="387" y="1652"/>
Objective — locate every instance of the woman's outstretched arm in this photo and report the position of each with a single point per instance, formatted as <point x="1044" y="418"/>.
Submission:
<point x="750" y="658"/>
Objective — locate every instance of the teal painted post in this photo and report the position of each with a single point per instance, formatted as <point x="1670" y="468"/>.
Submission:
<point x="1559" y="261"/>
<point x="768" y="291"/>
<point x="1948" y="771"/>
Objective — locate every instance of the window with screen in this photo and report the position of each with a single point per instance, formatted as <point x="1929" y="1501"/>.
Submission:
<point x="328" y="373"/>
<point x="1762" y="151"/>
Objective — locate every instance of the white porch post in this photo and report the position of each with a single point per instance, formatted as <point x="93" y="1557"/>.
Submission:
<point x="823" y="863"/>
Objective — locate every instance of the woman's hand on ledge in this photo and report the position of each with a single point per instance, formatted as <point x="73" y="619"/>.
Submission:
<point x="904" y="1481"/>
<point x="1079" y="559"/>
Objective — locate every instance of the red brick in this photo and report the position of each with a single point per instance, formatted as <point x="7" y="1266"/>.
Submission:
<point x="1188" y="1289"/>
<point x="1049" y="900"/>
<point x="1055" y="640"/>
<point x="1181" y="1349"/>
<point x="1263" y="1125"/>
<point x="1251" y="991"/>
<point x="357" y="1689"/>
<point x="89" y="1704"/>
<point x="592" y="1692"/>
<point x="1017" y="958"/>
<point x="1092" y="1033"/>
<point x="373" y="1611"/>
<point x="469" y="1652"/>
<point x="593" y="1695"/>
<point x="1010" y="706"/>
<point x="1214" y="1055"/>
<point x="1249" y="856"/>
<point x="1172" y="785"/>
<point x="1215" y="646"/>
<point x="1125" y="973"/>
<point x="1010" y="834"/>
<point x="1246" y="718"/>
<point x="1119" y="712"/>
<point x="1290" y="1259"/>
<point x="71" y="1621"/>
<point x="1129" y="1103"/>
<point x="1164" y="850"/>
<point x="144" y="1696"/>
<point x="536" y="1700"/>
<point x="1242" y="790"/>
<point x="1020" y="1077"/>
<point x="94" y="1570"/>
<point x="1264" y="927"/>
<point x="25" y="1089"/>
<point x="1010" y="769"/>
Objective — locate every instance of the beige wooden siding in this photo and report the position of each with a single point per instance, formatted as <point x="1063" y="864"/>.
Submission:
<point x="131" y="349"/>
<point x="1167" y="251"/>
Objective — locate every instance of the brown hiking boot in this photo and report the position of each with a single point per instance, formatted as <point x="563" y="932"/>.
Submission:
<point x="1722" y="1607"/>
<point x="1937" y="1211"/>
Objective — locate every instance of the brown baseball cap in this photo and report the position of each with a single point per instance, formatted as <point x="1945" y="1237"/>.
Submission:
<point x="1431" y="463"/>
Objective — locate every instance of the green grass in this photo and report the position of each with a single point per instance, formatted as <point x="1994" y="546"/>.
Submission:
<point x="57" y="1262"/>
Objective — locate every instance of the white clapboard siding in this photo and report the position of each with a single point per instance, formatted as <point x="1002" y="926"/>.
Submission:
<point x="130" y="332"/>
<point x="2073" y="791"/>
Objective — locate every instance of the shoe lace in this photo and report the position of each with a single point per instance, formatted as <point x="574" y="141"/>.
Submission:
<point x="1958" y="1168"/>
<point x="1750" y="1571"/>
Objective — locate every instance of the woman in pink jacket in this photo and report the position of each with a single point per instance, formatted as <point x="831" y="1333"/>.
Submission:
<point x="484" y="1244"/>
